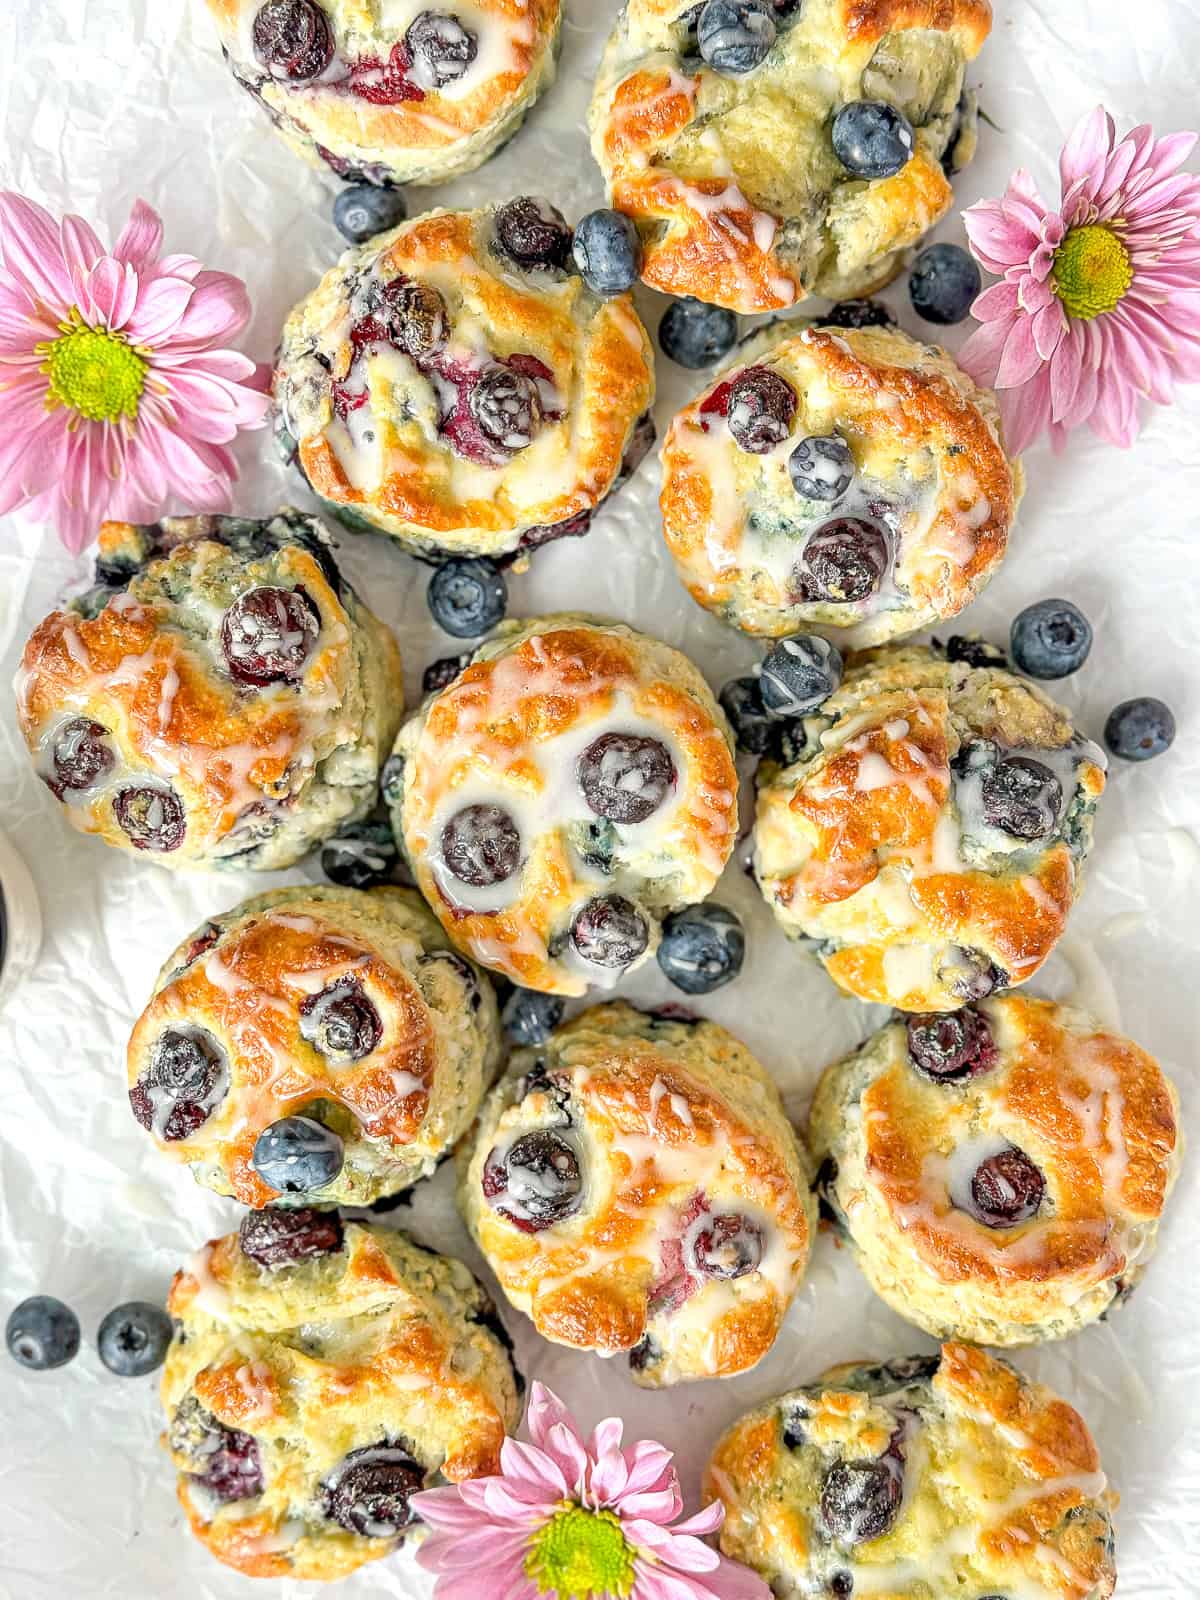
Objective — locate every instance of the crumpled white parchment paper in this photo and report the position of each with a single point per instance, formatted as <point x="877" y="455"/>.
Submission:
<point x="103" y="100"/>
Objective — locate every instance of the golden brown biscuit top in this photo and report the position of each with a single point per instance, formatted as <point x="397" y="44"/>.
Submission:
<point x="985" y="1483"/>
<point x="900" y="799"/>
<point x="930" y="476"/>
<point x="382" y="365"/>
<point x="1090" y="1110"/>
<point x="516" y="730"/>
<point x="733" y="180"/>
<point x="371" y="90"/>
<point x="689" y="1219"/>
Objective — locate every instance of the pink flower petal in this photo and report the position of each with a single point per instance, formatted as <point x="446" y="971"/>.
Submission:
<point x="1025" y="412"/>
<point x="656" y="1505"/>
<point x="1087" y="149"/>
<point x="110" y="292"/>
<point x="1001" y="300"/>
<point x="1019" y="359"/>
<point x="445" y="1508"/>
<point x="682" y="1551"/>
<point x="980" y="356"/>
<point x="161" y="302"/>
<point x="31" y="248"/>
<point x="706" y="1521"/>
<point x="532" y="1467"/>
<point x="141" y="238"/>
<point x="81" y="249"/>
<point x="650" y="1466"/>
<point x="219" y="308"/>
<point x="1050" y="326"/>
<point x="544" y="1411"/>
<point x="1065" y="368"/>
<point x="608" y="1479"/>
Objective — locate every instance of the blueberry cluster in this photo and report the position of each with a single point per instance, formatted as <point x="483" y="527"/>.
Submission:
<point x="767" y="711"/>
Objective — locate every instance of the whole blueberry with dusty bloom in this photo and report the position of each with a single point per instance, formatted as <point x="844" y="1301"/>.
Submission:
<point x="117" y="392"/>
<point x="1099" y="301"/>
<point x="580" y="1518"/>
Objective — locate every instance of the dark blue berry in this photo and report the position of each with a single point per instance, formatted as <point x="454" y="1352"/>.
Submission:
<point x="533" y="233"/>
<point x="360" y="855"/>
<point x="735" y="36"/>
<point x="798" y="674"/>
<point x="133" y="1339"/>
<point x="441" y="49"/>
<point x="1138" y="730"/>
<point x="607" y="252"/>
<point x="943" y="284"/>
<point x="610" y="931"/>
<point x="441" y="674"/>
<point x="702" y="948"/>
<point x="1051" y="639"/>
<point x="821" y="467"/>
<point x="872" y="139"/>
<point x="297" y="1155"/>
<point x="760" y="411"/>
<point x="364" y="209"/>
<point x="753" y="726"/>
<point x="530" y="1017"/>
<point x="858" y="314"/>
<point x="42" y="1333"/>
<point x="467" y="596"/>
<point x="695" y="335"/>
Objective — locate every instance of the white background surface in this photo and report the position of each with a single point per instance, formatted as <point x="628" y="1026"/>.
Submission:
<point x="103" y="100"/>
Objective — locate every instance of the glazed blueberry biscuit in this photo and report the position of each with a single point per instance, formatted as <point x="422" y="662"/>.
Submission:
<point x="222" y="697"/>
<point x="570" y="788"/>
<point x="634" y="1185"/>
<point x="768" y="150"/>
<point x="402" y="93"/>
<point x="999" y="1172"/>
<point x="453" y="384"/>
<point x="928" y="837"/>
<point x="320" y="1374"/>
<point x="852" y="481"/>
<point x="317" y="1042"/>
<point x="946" y="1477"/>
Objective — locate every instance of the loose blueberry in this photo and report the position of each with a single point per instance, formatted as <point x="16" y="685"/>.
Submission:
<point x="151" y="818"/>
<point x="536" y="1183"/>
<point x="607" y="252"/>
<point x="82" y="755"/>
<point x="364" y="209"/>
<point x="1050" y="639"/>
<point x="533" y="233"/>
<point x="702" y="948"/>
<point x="359" y="855"/>
<point x="625" y="777"/>
<point x="1139" y="730"/>
<point x="799" y="674"/>
<point x="1021" y="797"/>
<point x="859" y="1500"/>
<point x="441" y="49"/>
<point x="858" y="314"/>
<point x="728" y="1245"/>
<point x="292" y="39"/>
<point x="41" y="1333"/>
<point x="467" y="596"/>
<point x="440" y="674"/>
<point x="341" y="1022"/>
<point x="278" y="1237"/>
<point x="952" y="1046"/>
<point x="735" y="36"/>
<point x="481" y="845"/>
<point x="506" y="406"/>
<point x="368" y="1492"/>
<point x="609" y="932"/>
<point x="695" y="335"/>
<point x="872" y="139"/>
<point x="133" y="1339"/>
<point x="1007" y="1189"/>
<point x="417" y="319"/>
<point x="186" y="1080"/>
<point x="530" y="1017"/>
<point x="753" y="726"/>
<point x="760" y="409"/>
<point x="844" y="561"/>
<point x="943" y="284"/>
<point x="297" y="1155"/>
<point x="822" y="468"/>
<point x="267" y="634"/>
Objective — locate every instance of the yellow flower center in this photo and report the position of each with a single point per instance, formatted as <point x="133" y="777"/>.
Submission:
<point x="581" y="1555"/>
<point x="95" y="373"/>
<point x="1091" y="271"/>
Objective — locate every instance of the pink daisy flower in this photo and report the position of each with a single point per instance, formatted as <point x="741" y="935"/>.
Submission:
<point x="117" y="392"/>
<point x="578" y="1521"/>
<point x="1099" y="303"/>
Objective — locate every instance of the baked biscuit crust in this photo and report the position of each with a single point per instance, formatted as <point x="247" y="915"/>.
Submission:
<point x="733" y="182"/>
<point x="370" y="114"/>
<point x="243" y="773"/>
<point x="877" y="846"/>
<point x="253" y="984"/>
<point x="930" y="474"/>
<point x="896" y="1151"/>
<point x="376" y="1344"/>
<point x="511" y="732"/>
<point x="984" y="1483"/>
<point x="680" y="1140"/>
<point x="387" y="439"/>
